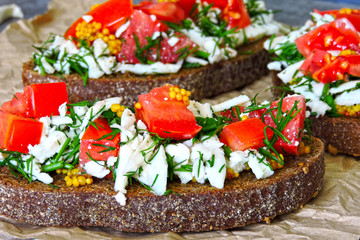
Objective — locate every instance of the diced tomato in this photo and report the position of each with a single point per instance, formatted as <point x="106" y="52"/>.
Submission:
<point x="169" y="118"/>
<point x="187" y="5"/>
<point x="38" y="100"/>
<point x="337" y="35"/>
<point x="17" y="133"/>
<point x="234" y="12"/>
<point x="245" y="134"/>
<point x="92" y="148"/>
<point x="170" y="54"/>
<point x="325" y="68"/>
<point x="164" y="11"/>
<point x="111" y="14"/>
<point x="294" y="129"/>
<point x="143" y="26"/>
<point x="315" y="61"/>
<point x="353" y="15"/>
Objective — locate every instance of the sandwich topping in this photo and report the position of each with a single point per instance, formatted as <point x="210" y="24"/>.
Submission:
<point x="320" y="60"/>
<point x="164" y="137"/>
<point x="154" y="37"/>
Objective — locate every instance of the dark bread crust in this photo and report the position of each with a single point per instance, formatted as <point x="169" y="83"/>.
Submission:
<point x="203" y="82"/>
<point x="195" y="207"/>
<point x="339" y="134"/>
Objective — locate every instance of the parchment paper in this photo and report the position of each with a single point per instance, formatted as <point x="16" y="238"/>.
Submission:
<point x="334" y="214"/>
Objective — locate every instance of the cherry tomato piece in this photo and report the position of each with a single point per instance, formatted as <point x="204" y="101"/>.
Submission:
<point x="17" y="133"/>
<point x="245" y="134"/>
<point x="167" y="117"/>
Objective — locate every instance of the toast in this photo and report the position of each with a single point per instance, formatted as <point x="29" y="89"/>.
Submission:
<point x="309" y="63"/>
<point x="203" y="82"/>
<point x="339" y="134"/>
<point x="192" y="207"/>
<point x="205" y="50"/>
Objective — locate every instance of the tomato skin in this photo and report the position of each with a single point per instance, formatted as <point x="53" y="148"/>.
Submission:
<point x="332" y="69"/>
<point x="143" y="26"/>
<point x="111" y="14"/>
<point x="234" y="12"/>
<point x="186" y="5"/>
<point x="245" y="134"/>
<point x="164" y="11"/>
<point x="16" y="132"/>
<point x="294" y="129"/>
<point x="91" y="137"/>
<point x="169" y="118"/>
<point x="38" y="100"/>
<point x="338" y="35"/>
<point x="353" y="16"/>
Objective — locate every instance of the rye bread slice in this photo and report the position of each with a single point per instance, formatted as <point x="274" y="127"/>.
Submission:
<point x="203" y="82"/>
<point x="339" y="134"/>
<point x="194" y="207"/>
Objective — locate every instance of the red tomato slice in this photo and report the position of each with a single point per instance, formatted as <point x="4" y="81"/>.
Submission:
<point x="294" y="129"/>
<point x="234" y="12"/>
<point x="169" y="118"/>
<point x="111" y="14"/>
<point x="143" y="26"/>
<point x="90" y="145"/>
<point x="16" y="132"/>
<point x="353" y="15"/>
<point x="164" y="11"/>
<point x="337" y="35"/>
<point x="38" y="100"/>
<point x="324" y="68"/>
<point x="245" y="134"/>
<point x="187" y="5"/>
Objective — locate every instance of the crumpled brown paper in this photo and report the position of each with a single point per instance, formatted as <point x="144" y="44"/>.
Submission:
<point x="334" y="214"/>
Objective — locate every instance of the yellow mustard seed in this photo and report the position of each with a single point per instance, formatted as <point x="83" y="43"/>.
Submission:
<point x="172" y="94"/>
<point x="68" y="182"/>
<point x="183" y="92"/>
<point x="105" y="31"/>
<point x="137" y="105"/>
<point x="58" y="171"/>
<point x="119" y="113"/>
<point x="178" y="97"/>
<point x="64" y="171"/>
<point x="115" y="107"/>
<point x="75" y="181"/>
<point x="176" y="89"/>
<point x="82" y="180"/>
<point x="67" y="178"/>
<point x="89" y="181"/>
<point x="188" y="93"/>
<point x="244" y="117"/>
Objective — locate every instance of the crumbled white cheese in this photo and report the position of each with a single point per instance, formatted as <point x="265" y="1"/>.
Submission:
<point x="238" y="160"/>
<point x="200" y="61"/>
<point x="260" y="169"/>
<point x="181" y="155"/>
<point x="48" y="147"/>
<point x="59" y="120"/>
<point x="173" y="41"/>
<point x="122" y="29"/>
<point x="62" y="109"/>
<point x="291" y="72"/>
<point x="96" y="169"/>
<point x="344" y="87"/>
<point x="348" y="98"/>
<point x="87" y="18"/>
<point x="155" y="173"/>
<point x="148" y="69"/>
<point x="241" y="100"/>
<point x="200" y="109"/>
